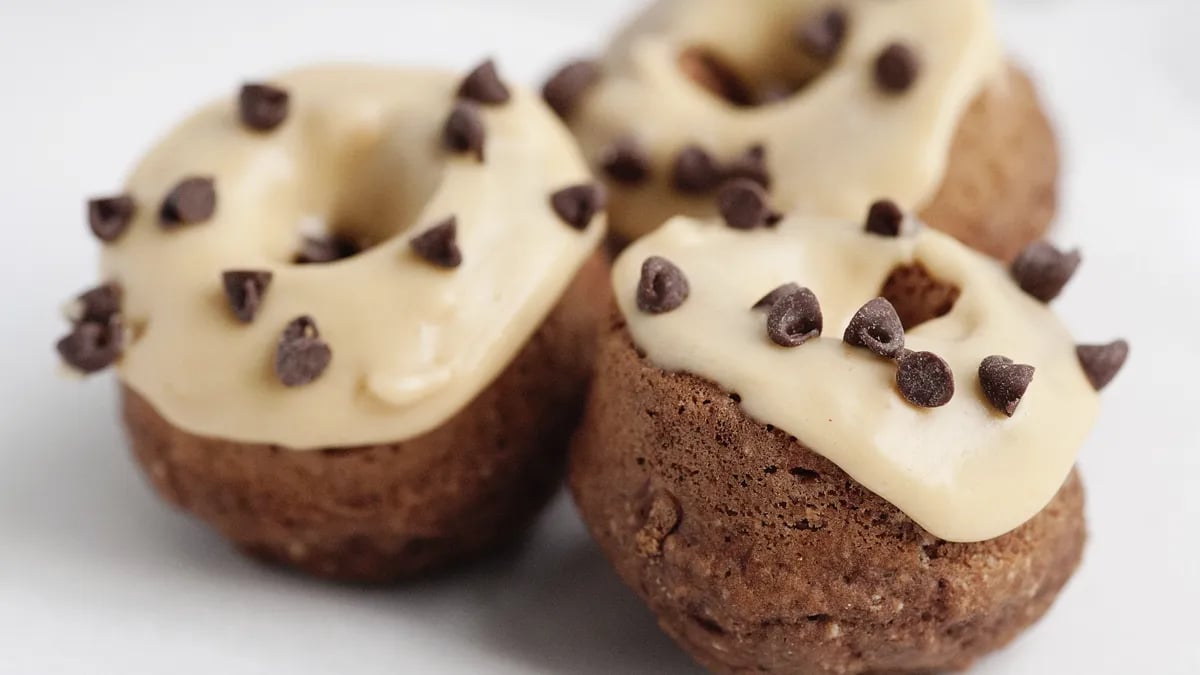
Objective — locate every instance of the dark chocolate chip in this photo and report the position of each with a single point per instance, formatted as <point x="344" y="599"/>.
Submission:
<point x="92" y="346"/>
<point x="695" y="171"/>
<point x="768" y="301"/>
<point x="625" y="162"/>
<point x="925" y="380"/>
<point x="822" y="36"/>
<point x="302" y="356"/>
<point x="663" y="287"/>
<point x="484" y="85"/>
<point x="322" y="250"/>
<point x="1043" y="271"/>
<point x="1101" y="363"/>
<point x="262" y="107"/>
<point x="563" y="91"/>
<point x="1004" y="382"/>
<point x="877" y="327"/>
<point x="896" y="68"/>
<point x="464" y="132"/>
<point x="795" y="319"/>
<point x="578" y="204"/>
<point x="885" y="219"/>
<point x="98" y="304"/>
<point x="439" y="244"/>
<point x="244" y="289"/>
<point x="745" y="205"/>
<point x="751" y="165"/>
<point x="109" y="217"/>
<point x="192" y="201"/>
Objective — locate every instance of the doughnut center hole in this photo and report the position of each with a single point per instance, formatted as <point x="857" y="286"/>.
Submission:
<point x="917" y="295"/>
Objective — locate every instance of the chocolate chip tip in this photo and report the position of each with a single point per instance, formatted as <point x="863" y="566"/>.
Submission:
<point x="439" y="244"/>
<point x="484" y="85"/>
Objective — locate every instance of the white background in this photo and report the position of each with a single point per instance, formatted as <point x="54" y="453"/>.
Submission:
<point x="97" y="577"/>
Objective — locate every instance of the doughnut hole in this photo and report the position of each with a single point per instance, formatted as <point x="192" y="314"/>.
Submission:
<point x="918" y="296"/>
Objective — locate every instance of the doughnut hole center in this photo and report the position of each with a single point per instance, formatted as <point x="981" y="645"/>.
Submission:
<point x="918" y="296"/>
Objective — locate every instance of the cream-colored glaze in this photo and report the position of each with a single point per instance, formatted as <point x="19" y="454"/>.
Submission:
<point x="412" y="343"/>
<point x="964" y="472"/>
<point x="834" y="147"/>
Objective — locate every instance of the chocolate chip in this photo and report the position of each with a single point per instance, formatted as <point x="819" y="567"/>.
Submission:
<point x="925" y="379"/>
<point x="768" y="301"/>
<point x="1004" y="382"/>
<point x="92" y="346"/>
<point x="896" y="68"/>
<point x="301" y="356"/>
<point x="822" y="36"/>
<point x="192" y="201"/>
<point x="262" y="107"/>
<point x="885" y="219"/>
<point x="109" y="217"/>
<point x="1043" y="271"/>
<point x="323" y="250"/>
<point x="98" y="304"/>
<point x="464" y="132"/>
<point x="625" y="162"/>
<point x="751" y="165"/>
<point x="695" y="171"/>
<point x="484" y="85"/>
<point x="877" y="327"/>
<point x="745" y="205"/>
<point x="439" y="244"/>
<point x="578" y="204"/>
<point x="795" y="319"/>
<point x="663" y="287"/>
<point x="1101" y="363"/>
<point x="566" y="88"/>
<point x="244" y="289"/>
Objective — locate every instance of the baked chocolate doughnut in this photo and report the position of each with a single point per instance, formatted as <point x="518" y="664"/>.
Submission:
<point x="353" y="315"/>
<point x="826" y="103"/>
<point x="824" y="448"/>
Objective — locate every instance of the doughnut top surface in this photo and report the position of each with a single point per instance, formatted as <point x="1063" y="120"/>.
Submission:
<point x="363" y="153"/>
<point x="964" y="471"/>
<point x="834" y="137"/>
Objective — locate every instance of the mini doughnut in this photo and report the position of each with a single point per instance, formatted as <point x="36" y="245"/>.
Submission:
<point x="843" y="451"/>
<point x="353" y="313"/>
<point x="828" y="103"/>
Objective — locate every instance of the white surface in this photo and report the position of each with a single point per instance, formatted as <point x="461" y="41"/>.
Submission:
<point x="97" y="577"/>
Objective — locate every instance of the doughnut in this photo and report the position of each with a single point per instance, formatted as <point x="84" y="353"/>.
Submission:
<point x="828" y="103"/>
<point x="831" y="447"/>
<point x="353" y="311"/>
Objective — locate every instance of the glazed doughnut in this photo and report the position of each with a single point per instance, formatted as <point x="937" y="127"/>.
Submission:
<point x="829" y="104"/>
<point x="352" y="313"/>
<point x="831" y="448"/>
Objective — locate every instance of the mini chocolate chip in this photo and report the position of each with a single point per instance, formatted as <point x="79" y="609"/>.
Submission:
<point x="695" y="171"/>
<point x="795" y="319"/>
<point x="302" y="356"/>
<point x="1043" y="271"/>
<point x="92" y="346"/>
<point x="877" y="327"/>
<point x="1101" y="363"/>
<point x="439" y="244"/>
<point x="925" y="380"/>
<point x="663" y="287"/>
<point x="896" y="68"/>
<point x="578" y="204"/>
<point x="751" y="165"/>
<point x="464" y="132"/>
<point x="244" y="289"/>
<point x="745" y="205"/>
<point x="885" y="219"/>
<point x="768" y="301"/>
<point x="563" y="91"/>
<point x="625" y="162"/>
<point x="109" y="217"/>
<point x="822" y="36"/>
<point x="322" y="250"/>
<point x="98" y="304"/>
<point x="484" y="85"/>
<point x="1004" y="382"/>
<point x="262" y="107"/>
<point x="192" y="201"/>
